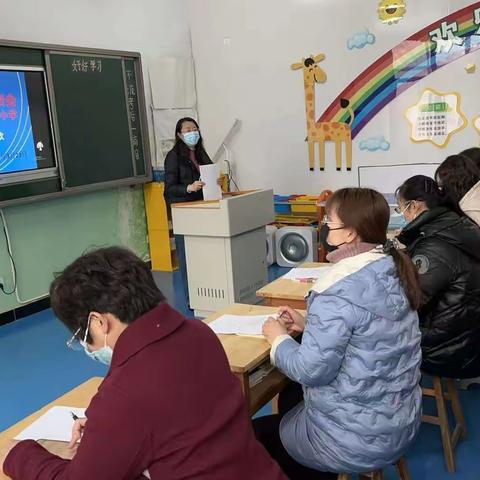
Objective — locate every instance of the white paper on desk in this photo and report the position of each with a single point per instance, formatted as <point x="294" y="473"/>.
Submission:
<point x="55" y="424"/>
<point x="302" y="273"/>
<point x="209" y="175"/>
<point x="239" y="324"/>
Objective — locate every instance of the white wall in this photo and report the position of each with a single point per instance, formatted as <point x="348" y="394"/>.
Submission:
<point x="154" y="28"/>
<point x="249" y="77"/>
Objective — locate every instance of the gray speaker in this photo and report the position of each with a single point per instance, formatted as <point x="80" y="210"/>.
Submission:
<point x="271" y="247"/>
<point x="296" y="245"/>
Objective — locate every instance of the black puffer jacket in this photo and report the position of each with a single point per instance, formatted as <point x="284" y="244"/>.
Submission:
<point x="181" y="172"/>
<point x="446" y="250"/>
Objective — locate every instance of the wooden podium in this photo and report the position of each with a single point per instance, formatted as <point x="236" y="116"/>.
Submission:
<point x="225" y="247"/>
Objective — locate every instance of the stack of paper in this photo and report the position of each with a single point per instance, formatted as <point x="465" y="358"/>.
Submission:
<point x="312" y="274"/>
<point x="239" y="324"/>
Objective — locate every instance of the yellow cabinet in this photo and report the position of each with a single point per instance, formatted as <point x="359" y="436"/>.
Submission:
<point x="160" y="233"/>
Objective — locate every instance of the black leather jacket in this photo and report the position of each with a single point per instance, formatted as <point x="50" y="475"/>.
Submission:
<point x="181" y="172"/>
<point x="446" y="250"/>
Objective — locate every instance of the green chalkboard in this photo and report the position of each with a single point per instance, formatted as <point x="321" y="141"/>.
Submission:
<point x="21" y="56"/>
<point x="134" y="112"/>
<point x="93" y="119"/>
<point x="98" y="119"/>
<point x="22" y="191"/>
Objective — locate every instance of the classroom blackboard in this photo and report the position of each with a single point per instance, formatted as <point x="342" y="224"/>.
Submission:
<point x="98" y="120"/>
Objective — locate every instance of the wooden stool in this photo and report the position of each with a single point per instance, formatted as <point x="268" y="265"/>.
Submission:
<point x="449" y="440"/>
<point x="401" y="467"/>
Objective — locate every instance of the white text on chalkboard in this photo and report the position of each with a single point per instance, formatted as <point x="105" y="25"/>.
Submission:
<point x="81" y="65"/>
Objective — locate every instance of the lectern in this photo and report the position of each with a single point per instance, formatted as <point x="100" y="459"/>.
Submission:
<point x="225" y="247"/>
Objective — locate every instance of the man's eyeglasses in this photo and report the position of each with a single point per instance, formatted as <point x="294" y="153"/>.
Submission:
<point x="75" y="343"/>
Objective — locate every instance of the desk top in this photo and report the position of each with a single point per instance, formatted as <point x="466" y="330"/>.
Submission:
<point x="244" y="353"/>
<point x="289" y="289"/>
<point x="78" y="397"/>
<point x="212" y="203"/>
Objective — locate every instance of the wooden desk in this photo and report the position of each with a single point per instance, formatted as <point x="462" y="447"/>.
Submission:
<point x="78" y="397"/>
<point x="288" y="292"/>
<point x="246" y="353"/>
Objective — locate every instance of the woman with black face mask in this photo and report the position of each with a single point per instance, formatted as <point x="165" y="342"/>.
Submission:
<point x="325" y="230"/>
<point x="360" y="347"/>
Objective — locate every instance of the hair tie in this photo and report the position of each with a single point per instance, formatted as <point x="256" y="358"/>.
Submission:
<point x="389" y="246"/>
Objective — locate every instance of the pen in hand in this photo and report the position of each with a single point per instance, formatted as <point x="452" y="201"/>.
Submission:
<point x="286" y="320"/>
<point x="75" y="418"/>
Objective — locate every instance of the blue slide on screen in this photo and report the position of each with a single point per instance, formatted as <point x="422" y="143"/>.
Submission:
<point x="26" y="142"/>
<point x="17" y="148"/>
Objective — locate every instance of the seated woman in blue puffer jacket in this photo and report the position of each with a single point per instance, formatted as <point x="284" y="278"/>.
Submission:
<point x="359" y="357"/>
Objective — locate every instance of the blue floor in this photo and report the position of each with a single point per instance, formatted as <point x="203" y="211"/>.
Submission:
<point x="36" y="368"/>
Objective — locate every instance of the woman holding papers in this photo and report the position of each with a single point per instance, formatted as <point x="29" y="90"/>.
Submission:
<point x="169" y="406"/>
<point x="182" y="164"/>
<point x="182" y="177"/>
<point x="359" y="357"/>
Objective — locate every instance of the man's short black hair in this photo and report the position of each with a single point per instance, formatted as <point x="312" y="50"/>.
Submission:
<point x="108" y="280"/>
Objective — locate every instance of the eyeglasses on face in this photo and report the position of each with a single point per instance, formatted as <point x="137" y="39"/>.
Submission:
<point x="75" y="343"/>
<point x="401" y="210"/>
<point x="327" y="221"/>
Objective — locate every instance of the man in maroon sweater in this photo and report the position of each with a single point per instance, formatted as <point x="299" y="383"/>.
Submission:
<point x="169" y="407"/>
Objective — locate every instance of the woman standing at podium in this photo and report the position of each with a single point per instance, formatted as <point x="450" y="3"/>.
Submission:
<point x="182" y="178"/>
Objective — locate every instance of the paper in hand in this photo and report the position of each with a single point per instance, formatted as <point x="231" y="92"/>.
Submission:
<point x="209" y="175"/>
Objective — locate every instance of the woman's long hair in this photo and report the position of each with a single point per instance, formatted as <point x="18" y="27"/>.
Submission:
<point x="456" y="176"/>
<point x="367" y="212"/>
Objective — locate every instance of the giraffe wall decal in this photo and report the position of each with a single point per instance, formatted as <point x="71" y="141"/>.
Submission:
<point x="321" y="132"/>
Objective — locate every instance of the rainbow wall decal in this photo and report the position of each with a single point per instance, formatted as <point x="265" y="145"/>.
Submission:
<point x="406" y="64"/>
